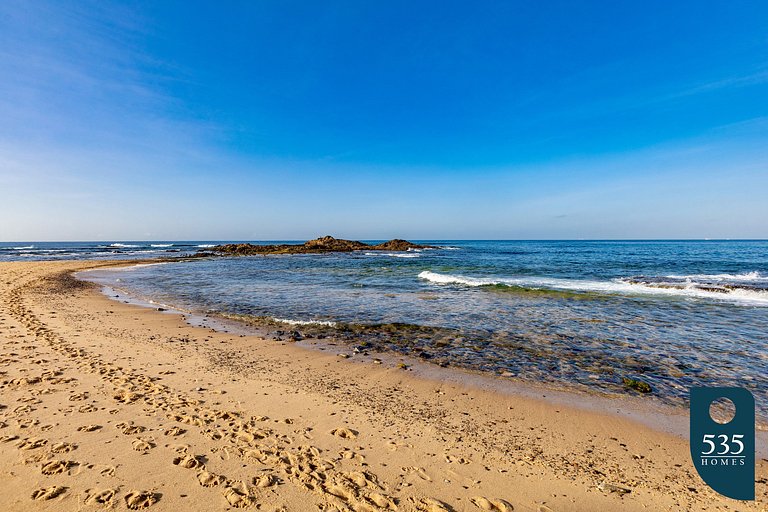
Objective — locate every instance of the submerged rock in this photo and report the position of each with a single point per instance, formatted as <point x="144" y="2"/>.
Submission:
<point x="637" y="385"/>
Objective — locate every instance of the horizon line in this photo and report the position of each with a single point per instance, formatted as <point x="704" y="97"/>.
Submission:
<point x="232" y="240"/>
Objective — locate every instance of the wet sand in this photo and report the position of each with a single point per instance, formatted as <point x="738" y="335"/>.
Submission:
<point x="111" y="405"/>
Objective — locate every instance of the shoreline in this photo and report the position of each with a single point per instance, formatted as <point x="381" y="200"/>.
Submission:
<point x="660" y="416"/>
<point x="655" y="412"/>
<point x="408" y="432"/>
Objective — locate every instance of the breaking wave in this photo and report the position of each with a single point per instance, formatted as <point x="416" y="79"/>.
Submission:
<point x="394" y="254"/>
<point x="741" y="294"/>
<point x="327" y="323"/>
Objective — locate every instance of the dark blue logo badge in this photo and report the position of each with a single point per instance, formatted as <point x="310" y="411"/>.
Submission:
<point x="724" y="453"/>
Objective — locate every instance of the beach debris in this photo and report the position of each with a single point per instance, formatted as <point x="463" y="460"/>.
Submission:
<point x="637" y="385"/>
<point x="609" y="487"/>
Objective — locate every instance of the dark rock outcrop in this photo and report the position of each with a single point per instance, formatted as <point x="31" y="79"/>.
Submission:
<point x="318" y="245"/>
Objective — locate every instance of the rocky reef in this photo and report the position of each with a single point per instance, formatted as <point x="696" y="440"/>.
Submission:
<point x="318" y="245"/>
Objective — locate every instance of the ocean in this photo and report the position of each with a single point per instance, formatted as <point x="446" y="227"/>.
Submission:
<point x="579" y="314"/>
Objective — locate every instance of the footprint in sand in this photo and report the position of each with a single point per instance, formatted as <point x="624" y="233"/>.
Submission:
<point x="350" y="454"/>
<point x="107" y="471"/>
<point x="429" y="505"/>
<point x="100" y="497"/>
<point x="344" y="433"/>
<point x="55" y="467"/>
<point x="87" y="408"/>
<point x="78" y="396"/>
<point x="136" y="500"/>
<point x="179" y="448"/>
<point x="130" y="429"/>
<point x="23" y="409"/>
<point x="142" y="445"/>
<point x="189" y="462"/>
<point x="31" y="443"/>
<point x="88" y="428"/>
<point x="491" y="505"/>
<point x="381" y="501"/>
<point x="48" y="493"/>
<point x="127" y="397"/>
<point x="420" y="472"/>
<point x="361" y="479"/>
<point x="207" y="479"/>
<point x="452" y="459"/>
<point x="239" y="496"/>
<point x="63" y="447"/>
<point x="264" y="481"/>
<point x="174" y="431"/>
<point x="214" y="434"/>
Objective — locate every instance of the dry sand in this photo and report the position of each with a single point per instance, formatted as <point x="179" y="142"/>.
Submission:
<point x="110" y="405"/>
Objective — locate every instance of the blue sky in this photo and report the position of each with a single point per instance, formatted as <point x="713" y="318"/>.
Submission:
<point x="288" y="120"/>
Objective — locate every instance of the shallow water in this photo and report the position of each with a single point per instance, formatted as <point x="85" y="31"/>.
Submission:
<point x="36" y="251"/>
<point x="588" y="314"/>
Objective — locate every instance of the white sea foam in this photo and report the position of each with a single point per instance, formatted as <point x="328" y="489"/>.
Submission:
<point x="26" y="247"/>
<point x="132" y="267"/>
<point x="305" y="322"/>
<point x="161" y="245"/>
<point x="450" y="248"/>
<point x="122" y="245"/>
<point x="746" y="276"/>
<point x="207" y="245"/>
<point x="394" y="254"/>
<point x="616" y="286"/>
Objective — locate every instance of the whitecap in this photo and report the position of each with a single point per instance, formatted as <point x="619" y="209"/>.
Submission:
<point x="207" y="245"/>
<point x="394" y="254"/>
<point x="615" y="286"/>
<point x="326" y="323"/>
<point x="161" y="245"/>
<point x="123" y="245"/>
<point x="746" y="276"/>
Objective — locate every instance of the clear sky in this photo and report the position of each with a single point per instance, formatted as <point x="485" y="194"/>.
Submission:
<point x="288" y="120"/>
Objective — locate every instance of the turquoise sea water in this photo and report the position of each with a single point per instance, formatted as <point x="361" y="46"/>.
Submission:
<point x="587" y="314"/>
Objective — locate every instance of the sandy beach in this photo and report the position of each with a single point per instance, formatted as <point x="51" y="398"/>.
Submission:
<point x="111" y="405"/>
